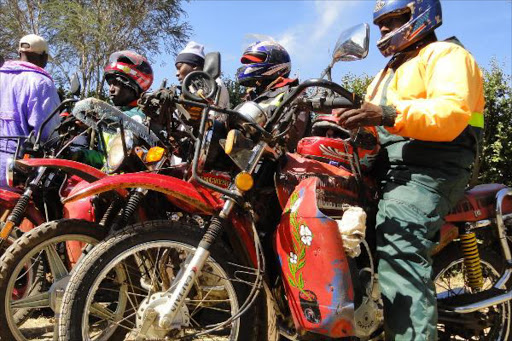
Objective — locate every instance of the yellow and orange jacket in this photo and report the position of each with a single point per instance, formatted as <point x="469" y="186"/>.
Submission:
<point x="436" y="94"/>
<point x="438" y="97"/>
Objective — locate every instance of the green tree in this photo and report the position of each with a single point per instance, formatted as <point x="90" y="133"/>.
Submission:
<point x="83" y="33"/>
<point x="496" y="150"/>
<point x="235" y="90"/>
<point x="356" y="84"/>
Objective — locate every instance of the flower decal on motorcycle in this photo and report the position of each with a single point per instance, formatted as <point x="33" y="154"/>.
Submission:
<point x="302" y="238"/>
<point x="305" y="235"/>
<point x="293" y="258"/>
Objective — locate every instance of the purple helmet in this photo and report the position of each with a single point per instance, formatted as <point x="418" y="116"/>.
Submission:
<point x="263" y="61"/>
<point x="425" y="17"/>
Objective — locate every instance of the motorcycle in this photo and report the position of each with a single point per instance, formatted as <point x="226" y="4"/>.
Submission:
<point x="283" y="220"/>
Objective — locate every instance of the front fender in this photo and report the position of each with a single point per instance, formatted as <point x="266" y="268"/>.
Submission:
<point x="82" y="170"/>
<point x="181" y="193"/>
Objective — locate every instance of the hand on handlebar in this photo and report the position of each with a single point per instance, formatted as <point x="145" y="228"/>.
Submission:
<point x="368" y="115"/>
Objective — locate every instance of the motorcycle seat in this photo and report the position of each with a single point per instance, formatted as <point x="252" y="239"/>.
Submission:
<point x="479" y="203"/>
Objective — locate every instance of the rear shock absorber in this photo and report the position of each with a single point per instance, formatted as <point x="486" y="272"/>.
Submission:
<point x="472" y="264"/>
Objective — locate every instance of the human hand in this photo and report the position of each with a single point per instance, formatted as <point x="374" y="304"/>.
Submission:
<point x="368" y="115"/>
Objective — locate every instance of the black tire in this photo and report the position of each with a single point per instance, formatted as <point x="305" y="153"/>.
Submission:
<point x="120" y="247"/>
<point x="497" y="320"/>
<point x="22" y="250"/>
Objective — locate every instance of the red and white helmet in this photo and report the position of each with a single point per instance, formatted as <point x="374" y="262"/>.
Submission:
<point x="131" y="67"/>
<point x="331" y="144"/>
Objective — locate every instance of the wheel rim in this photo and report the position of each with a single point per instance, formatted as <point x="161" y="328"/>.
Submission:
<point x="213" y="292"/>
<point x="450" y="282"/>
<point x="33" y="301"/>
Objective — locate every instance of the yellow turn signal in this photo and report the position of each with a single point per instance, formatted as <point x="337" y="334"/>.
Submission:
<point x="155" y="154"/>
<point x="244" y="181"/>
<point x="230" y="141"/>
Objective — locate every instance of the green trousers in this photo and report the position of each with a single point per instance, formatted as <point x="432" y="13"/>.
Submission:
<point x="410" y="214"/>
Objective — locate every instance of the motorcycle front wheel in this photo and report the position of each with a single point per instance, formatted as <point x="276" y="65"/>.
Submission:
<point x="139" y="263"/>
<point x="490" y="324"/>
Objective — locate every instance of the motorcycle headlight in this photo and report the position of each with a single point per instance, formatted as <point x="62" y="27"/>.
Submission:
<point x="9" y="172"/>
<point x="115" y="151"/>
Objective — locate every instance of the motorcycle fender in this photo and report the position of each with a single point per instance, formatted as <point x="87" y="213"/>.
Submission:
<point x="8" y="200"/>
<point x="79" y="169"/>
<point x="314" y="267"/>
<point x="182" y="192"/>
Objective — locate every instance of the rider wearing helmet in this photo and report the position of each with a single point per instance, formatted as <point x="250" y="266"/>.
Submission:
<point x="427" y="103"/>
<point x="128" y="75"/>
<point x="265" y="70"/>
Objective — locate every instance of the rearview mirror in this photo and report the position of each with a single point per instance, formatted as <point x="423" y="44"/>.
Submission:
<point x="198" y="85"/>
<point x="212" y="64"/>
<point x="352" y="44"/>
<point x="75" y="85"/>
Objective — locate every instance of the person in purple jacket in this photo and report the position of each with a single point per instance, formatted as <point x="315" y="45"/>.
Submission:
<point x="27" y="96"/>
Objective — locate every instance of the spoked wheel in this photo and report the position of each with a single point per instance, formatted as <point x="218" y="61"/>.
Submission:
<point x="34" y="272"/>
<point x="138" y="265"/>
<point x="492" y="323"/>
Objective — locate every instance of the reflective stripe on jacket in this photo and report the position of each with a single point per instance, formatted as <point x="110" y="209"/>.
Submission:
<point x="436" y="94"/>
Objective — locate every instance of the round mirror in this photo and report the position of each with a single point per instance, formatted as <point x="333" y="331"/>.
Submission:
<point x="198" y="85"/>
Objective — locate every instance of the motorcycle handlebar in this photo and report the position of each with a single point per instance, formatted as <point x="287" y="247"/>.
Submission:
<point x="328" y="103"/>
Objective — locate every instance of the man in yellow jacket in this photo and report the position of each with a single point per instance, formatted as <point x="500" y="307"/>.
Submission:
<point x="428" y="103"/>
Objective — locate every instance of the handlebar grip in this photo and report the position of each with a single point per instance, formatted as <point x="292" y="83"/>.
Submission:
<point x="338" y="102"/>
<point x="329" y="103"/>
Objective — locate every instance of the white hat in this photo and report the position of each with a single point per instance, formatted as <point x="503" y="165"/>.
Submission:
<point x="33" y="43"/>
<point x="193" y="54"/>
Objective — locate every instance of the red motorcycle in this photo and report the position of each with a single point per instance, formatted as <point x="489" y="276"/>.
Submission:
<point x="293" y="230"/>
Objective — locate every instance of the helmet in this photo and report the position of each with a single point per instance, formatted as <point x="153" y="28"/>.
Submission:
<point x="263" y="61"/>
<point x="425" y="17"/>
<point x="132" y="69"/>
<point x="332" y="144"/>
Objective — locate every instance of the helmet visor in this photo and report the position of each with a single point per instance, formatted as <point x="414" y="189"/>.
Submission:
<point x="254" y="57"/>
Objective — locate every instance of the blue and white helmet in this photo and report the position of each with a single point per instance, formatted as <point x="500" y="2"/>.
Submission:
<point x="425" y="17"/>
<point x="263" y="61"/>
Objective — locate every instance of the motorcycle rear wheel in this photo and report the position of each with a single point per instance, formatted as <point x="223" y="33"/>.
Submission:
<point x="140" y="262"/>
<point x="45" y="246"/>
<point x="492" y="324"/>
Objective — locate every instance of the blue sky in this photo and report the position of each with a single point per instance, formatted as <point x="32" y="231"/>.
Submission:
<point x="309" y="29"/>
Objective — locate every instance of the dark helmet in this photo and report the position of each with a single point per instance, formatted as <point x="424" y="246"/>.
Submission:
<point x="425" y="17"/>
<point x="263" y="61"/>
<point x="131" y="68"/>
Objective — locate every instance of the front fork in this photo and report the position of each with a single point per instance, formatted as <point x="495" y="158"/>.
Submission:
<point x="187" y="276"/>
<point x="18" y="212"/>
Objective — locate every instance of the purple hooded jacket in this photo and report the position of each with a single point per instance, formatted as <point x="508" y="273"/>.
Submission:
<point x="27" y="97"/>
